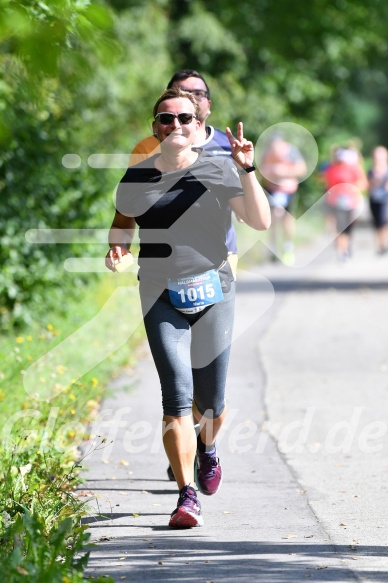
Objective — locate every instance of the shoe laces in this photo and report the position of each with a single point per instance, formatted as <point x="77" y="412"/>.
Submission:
<point x="186" y="495"/>
<point x="207" y="464"/>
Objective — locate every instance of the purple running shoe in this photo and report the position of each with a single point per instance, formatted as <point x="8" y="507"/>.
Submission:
<point x="188" y="511"/>
<point x="207" y="473"/>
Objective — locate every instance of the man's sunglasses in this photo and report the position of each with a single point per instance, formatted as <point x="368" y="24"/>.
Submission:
<point x="167" y="118"/>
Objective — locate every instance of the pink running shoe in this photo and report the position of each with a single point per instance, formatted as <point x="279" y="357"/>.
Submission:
<point x="188" y="511"/>
<point x="207" y="472"/>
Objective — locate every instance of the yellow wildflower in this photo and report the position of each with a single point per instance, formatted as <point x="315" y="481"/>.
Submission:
<point x="50" y="327"/>
<point x="94" y="382"/>
<point x="19" y="339"/>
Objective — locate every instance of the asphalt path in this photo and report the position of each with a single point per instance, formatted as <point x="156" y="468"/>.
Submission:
<point x="303" y="450"/>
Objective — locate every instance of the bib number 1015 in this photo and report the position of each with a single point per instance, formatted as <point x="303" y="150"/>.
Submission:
<point x="193" y="293"/>
<point x="197" y="293"/>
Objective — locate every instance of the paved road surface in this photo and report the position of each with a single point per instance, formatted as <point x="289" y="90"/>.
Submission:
<point x="304" y="450"/>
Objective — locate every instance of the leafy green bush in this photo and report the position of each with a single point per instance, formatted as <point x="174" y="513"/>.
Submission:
<point x="42" y="537"/>
<point x="46" y="60"/>
<point x="38" y="192"/>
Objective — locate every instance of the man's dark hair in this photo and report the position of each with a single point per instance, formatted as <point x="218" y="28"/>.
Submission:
<point x="185" y="74"/>
<point x="173" y="93"/>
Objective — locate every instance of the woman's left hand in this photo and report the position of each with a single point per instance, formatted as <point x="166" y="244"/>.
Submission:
<point x="242" y="149"/>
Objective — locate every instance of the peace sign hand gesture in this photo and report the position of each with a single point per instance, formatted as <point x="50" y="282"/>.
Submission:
<point x="242" y="149"/>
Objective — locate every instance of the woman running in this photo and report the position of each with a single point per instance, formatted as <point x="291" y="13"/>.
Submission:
<point x="179" y="199"/>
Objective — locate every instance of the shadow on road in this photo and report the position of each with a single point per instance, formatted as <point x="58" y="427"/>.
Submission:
<point x="183" y="557"/>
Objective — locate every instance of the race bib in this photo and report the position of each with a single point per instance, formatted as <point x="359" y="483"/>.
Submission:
<point x="193" y="293"/>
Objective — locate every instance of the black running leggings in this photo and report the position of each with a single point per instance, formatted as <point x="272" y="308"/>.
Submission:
<point x="191" y="352"/>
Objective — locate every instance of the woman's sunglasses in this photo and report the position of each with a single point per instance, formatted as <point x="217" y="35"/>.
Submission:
<point x="167" y="118"/>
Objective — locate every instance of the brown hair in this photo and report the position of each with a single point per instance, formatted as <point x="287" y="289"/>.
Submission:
<point x="174" y="93"/>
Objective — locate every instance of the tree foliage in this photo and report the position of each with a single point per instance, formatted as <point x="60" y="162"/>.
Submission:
<point x="47" y="53"/>
<point x="296" y="62"/>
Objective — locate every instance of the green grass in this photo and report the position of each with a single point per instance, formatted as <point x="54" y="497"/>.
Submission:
<point x="93" y="337"/>
<point x="53" y="375"/>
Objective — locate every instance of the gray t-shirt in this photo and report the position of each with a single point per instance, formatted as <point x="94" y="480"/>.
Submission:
<point x="182" y="215"/>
